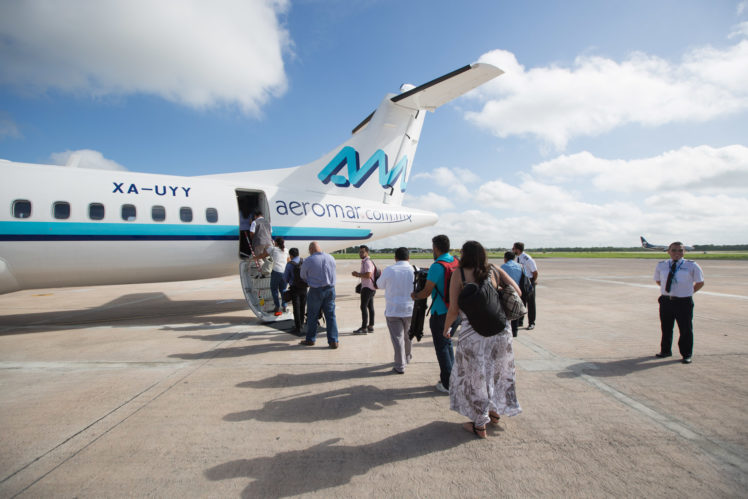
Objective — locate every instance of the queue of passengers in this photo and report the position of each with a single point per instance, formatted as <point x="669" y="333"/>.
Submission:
<point x="481" y="385"/>
<point x="480" y="376"/>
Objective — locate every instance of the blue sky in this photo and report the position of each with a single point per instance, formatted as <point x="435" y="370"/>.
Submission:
<point x="613" y="120"/>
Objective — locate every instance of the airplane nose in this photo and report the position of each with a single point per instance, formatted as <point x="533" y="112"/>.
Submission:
<point x="424" y="218"/>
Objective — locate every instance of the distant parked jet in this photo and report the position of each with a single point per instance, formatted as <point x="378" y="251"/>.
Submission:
<point x="646" y="245"/>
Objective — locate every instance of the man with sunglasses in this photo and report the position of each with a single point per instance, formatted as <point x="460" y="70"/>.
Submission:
<point x="678" y="279"/>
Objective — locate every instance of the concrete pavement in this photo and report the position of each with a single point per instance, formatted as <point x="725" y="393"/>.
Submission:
<point x="174" y="390"/>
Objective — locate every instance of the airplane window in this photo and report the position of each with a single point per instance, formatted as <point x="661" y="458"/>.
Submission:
<point x="21" y="208"/>
<point x="128" y="212"/>
<point x="158" y="213"/>
<point x="211" y="215"/>
<point x="96" y="211"/>
<point x="61" y="210"/>
<point x="185" y="214"/>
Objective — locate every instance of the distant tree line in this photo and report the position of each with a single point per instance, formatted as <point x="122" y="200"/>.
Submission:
<point x="697" y="247"/>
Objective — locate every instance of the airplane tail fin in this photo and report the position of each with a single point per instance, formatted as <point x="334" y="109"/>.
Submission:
<point x="375" y="163"/>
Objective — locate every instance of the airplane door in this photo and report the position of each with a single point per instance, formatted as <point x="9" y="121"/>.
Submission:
<point x="256" y="287"/>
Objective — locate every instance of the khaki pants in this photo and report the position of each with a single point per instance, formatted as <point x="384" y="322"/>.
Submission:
<point x="398" y="327"/>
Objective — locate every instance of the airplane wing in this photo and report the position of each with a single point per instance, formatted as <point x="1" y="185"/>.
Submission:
<point x="445" y="88"/>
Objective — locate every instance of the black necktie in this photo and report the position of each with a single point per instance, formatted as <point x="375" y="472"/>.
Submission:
<point x="670" y="278"/>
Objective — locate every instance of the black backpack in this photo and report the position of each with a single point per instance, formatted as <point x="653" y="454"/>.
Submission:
<point x="482" y="306"/>
<point x="525" y="284"/>
<point x="298" y="283"/>
<point x="375" y="275"/>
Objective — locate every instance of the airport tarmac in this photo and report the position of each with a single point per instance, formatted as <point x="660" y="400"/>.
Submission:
<point x="176" y="390"/>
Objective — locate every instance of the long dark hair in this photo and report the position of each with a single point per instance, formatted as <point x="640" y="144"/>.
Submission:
<point x="474" y="257"/>
<point x="280" y="242"/>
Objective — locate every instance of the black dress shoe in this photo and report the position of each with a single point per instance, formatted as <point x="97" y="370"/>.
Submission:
<point x="662" y="355"/>
<point x="686" y="360"/>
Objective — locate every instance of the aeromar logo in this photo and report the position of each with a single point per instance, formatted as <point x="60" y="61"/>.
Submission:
<point x="357" y="174"/>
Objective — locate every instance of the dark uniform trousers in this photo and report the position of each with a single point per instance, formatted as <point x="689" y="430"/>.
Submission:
<point x="529" y="302"/>
<point x="298" y="302"/>
<point x="678" y="310"/>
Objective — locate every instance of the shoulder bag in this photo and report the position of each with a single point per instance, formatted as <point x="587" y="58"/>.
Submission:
<point x="510" y="300"/>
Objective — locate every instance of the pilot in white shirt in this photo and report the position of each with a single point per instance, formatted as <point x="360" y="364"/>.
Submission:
<point x="678" y="279"/>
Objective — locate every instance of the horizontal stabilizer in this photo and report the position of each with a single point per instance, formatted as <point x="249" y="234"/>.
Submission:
<point x="445" y="88"/>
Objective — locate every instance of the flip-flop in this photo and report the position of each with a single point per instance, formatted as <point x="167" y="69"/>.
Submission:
<point x="475" y="429"/>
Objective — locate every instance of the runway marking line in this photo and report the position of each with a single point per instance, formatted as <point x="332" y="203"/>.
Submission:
<point x="654" y="286"/>
<point x="720" y="451"/>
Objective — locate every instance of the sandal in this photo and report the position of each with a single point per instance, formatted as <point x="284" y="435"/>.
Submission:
<point x="494" y="418"/>
<point x="479" y="432"/>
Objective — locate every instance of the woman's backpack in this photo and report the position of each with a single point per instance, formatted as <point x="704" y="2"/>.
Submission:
<point x="482" y="305"/>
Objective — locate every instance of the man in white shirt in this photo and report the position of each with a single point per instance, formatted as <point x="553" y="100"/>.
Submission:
<point x="531" y="271"/>
<point x="260" y="232"/>
<point x="678" y="279"/>
<point x="397" y="283"/>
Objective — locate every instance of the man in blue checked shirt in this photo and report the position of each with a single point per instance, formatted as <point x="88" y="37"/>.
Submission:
<point x="318" y="270"/>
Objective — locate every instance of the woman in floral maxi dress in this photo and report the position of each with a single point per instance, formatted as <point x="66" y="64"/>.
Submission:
<point x="482" y="385"/>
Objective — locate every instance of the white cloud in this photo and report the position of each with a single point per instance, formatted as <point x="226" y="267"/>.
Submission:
<point x="429" y="202"/>
<point x="8" y="127"/>
<point x="195" y="53"/>
<point x="85" y="158"/>
<point x="597" y="94"/>
<point x="530" y="196"/>
<point x="742" y="6"/>
<point x="702" y="168"/>
<point x="740" y="31"/>
<point x="697" y="195"/>
<point x="451" y="180"/>
<point x="467" y="176"/>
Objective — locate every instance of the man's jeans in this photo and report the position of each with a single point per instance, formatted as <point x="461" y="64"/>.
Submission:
<point x="443" y="346"/>
<point x="321" y="299"/>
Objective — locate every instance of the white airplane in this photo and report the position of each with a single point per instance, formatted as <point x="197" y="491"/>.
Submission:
<point x="660" y="247"/>
<point x="77" y="227"/>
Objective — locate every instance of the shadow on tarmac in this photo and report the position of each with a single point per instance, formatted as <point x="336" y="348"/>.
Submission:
<point x="313" y="378"/>
<point x="139" y="309"/>
<point x="620" y="367"/>
<point x="327" y="465"/>
<point x="331" y="405"/>
<point x="232" y="352"/>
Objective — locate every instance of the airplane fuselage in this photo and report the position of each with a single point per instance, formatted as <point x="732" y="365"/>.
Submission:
<point x="73" y="227"/>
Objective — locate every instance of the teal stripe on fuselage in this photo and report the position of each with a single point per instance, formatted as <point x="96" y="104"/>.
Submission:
<point x="310" y="233"/>
<point x="28" y="230"/>
<point x="114" y="229"/>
